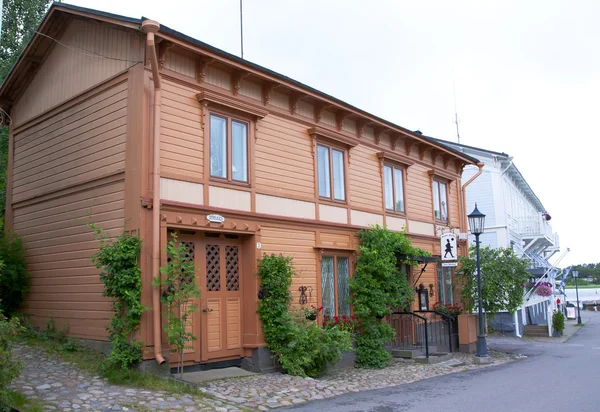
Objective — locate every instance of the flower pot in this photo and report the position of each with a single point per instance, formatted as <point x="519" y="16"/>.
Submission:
<point x="312" y="317"/>
<point x="557" y="333"/>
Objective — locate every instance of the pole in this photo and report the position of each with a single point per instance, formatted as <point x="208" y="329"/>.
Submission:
<point x="482" y="351"/>
<point x="577" y="292"/>
<point x="241" y="30"/>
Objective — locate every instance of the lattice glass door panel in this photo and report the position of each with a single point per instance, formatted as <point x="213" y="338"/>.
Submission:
<point x="232" y="275"/>
<point x="213" y="268"/>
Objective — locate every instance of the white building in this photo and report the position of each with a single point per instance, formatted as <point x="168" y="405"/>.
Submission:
<point x="516" y="218"/>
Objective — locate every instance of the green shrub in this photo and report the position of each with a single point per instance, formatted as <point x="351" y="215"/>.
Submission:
<point x="14" y="276"/>
<point x="52" y="332"/>
<point x="558" y="321"/>
<point x="9" y="367"/>
<point x="122" y="279"/>
<point x="377" y="286"/>
<point x="301" y="347"/>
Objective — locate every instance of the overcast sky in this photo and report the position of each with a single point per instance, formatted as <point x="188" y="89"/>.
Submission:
<point x="526" y="74"/>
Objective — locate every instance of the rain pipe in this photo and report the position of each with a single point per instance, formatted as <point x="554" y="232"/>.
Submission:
<point x="150" y="27"/>
<point x="464" y="193"/>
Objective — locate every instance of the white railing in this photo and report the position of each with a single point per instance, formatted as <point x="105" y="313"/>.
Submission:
<point x="535" y="226"/>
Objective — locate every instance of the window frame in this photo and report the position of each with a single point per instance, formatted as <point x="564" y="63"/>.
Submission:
<point x="402" y="169"/>
<point x="230" y="118"/>
<point x="335" y="254"/>
<point x="344" y="151"/>
<point x="439" y="194"/>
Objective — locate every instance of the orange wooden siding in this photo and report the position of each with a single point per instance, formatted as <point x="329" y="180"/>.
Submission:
<point x="181" y="133"/>
<point x="80" y="144"/>
<point x="418" y="192"/>
<point x="299" y="245"/>
<point x="64" y="282"/>
<point x="366" y="189"/>
<point x="284" y="162"/>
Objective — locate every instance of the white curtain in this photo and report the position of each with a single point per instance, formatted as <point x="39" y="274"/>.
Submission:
<point x="343" y="287"/>
<point x="338" y="175"/>
<point x="328" y="298"/>
<point x="389" y="190"/>
<point x="444" y="201"/>
<point x="399" y="192"/>
<point x="218" y="146"/>
<point x="323" y="170"/>
<point x="436" y="199"/>
<point x="239" y="153"/>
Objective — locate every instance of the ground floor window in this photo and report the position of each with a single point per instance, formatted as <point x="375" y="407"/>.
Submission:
<point x="335" y="292"/>
<point x="445" y="276"/>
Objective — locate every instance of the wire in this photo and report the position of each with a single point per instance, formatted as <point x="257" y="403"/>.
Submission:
<point x="86" y="52"/>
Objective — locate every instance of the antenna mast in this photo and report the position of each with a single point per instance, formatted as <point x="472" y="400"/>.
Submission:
<point x="241" y="30"/>
<point x="455" y="112"/>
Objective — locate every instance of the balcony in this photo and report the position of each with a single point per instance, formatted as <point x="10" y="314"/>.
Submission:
<point x="537" y="234"/>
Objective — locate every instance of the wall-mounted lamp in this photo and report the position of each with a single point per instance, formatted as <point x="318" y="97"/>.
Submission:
<point x="263" y="292"/>
<point x="431" y="289"/>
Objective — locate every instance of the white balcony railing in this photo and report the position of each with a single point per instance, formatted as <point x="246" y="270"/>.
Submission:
<point x="535" y="226"/>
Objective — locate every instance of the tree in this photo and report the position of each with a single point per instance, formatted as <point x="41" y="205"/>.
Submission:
<point x="179" y="297"/>
<point x="503" y="275"/>
<point x="20" y="18"/>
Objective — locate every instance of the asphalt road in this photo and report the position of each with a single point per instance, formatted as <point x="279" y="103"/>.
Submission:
<point x="554" y="377"/>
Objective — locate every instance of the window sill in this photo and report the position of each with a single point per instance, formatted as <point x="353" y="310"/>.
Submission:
<point x="331" y="202"/>
<point x="226" y="183"/>
<point x="394" y="213"/>
<point x="442" y="222"/>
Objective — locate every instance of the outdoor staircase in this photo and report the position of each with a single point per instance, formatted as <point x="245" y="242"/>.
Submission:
<point x="419" y="356"/>
<point x="535" y="331"/>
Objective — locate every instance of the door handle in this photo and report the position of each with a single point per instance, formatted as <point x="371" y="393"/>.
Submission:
<point x="207" y="310"/>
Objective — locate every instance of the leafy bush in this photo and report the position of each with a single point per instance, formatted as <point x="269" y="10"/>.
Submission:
<point x="14" y="276"/>
<point x="558" y="321"/>
<point x="301" y="347"/>
<point x="9" y="367"/>
<point x="377" y="286"/>
<point x="502" y="277"/>
<point x="122" y="280"/>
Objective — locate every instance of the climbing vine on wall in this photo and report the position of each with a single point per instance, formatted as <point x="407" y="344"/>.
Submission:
<point x="121" y="275"/>
<point x="376" y="287"/>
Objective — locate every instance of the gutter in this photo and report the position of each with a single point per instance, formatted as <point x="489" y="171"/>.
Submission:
<point x="150" y="27"/>
<point x="464" y="193"/>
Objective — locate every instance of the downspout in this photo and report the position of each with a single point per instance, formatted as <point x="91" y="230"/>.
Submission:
<point x="150" y="27"/>
<point x="464" y="192"/>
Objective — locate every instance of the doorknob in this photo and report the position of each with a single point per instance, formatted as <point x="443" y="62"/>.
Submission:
<point x="207" y="310"/>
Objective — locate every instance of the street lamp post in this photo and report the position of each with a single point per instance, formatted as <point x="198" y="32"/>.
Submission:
<point x="576" y="276"/>
<point x="477" y="224"/>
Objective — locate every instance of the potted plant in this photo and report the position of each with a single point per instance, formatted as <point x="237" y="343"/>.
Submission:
<point x="558" y="324"/>
<point x="311" y="314"/>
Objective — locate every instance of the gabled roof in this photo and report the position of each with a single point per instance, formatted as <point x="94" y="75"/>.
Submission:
<point x="511" y="169"/>
<point x="59" y="14"/>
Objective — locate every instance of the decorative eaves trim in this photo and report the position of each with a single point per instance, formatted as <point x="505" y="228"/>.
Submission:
<point x="232" y="103"/>
<point x="315" y="132"/>
<point x="395" y="157"/>
<point x="443" y="174"/>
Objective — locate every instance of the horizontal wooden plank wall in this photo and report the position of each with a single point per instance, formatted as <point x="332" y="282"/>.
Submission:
<point x="299" y="245"/>
<point x="64" y="283"/>
<point x="80" y="144"/>
<point x="68" y="71"/>
<point x="365" y="182"/>
<point x="283" y="158"/>
<point x="181" y="133"/>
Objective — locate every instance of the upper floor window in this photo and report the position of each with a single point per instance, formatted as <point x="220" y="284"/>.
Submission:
<point x="394" y="188"/>
<point x="330" y="170"/>
<point x="228" y="148"/>
<point x="440" y="200"/>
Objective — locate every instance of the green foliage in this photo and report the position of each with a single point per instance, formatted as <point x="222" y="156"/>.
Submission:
<point x="180" y="290"/>
<point x="9" y="367"/>
<point x="502" y="275"/>
<point x="301" y="347"/>
<point x="14" y="276"/>
<point x="377" y="286"/>
<point x="19" y="20"/>
<point x="588" y="272"/>
<point x="122" y="281"/>
<point x="558" y="321"/>
<point x="59" y="335"/>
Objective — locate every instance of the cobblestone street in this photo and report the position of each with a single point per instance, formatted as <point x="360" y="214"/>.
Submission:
<point x="61" y="386"/>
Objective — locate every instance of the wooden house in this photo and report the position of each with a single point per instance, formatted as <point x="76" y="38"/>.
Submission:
<point x="142" y="129"/>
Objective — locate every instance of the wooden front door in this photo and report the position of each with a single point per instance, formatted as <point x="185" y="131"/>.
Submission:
<point x="220" y="275"/>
